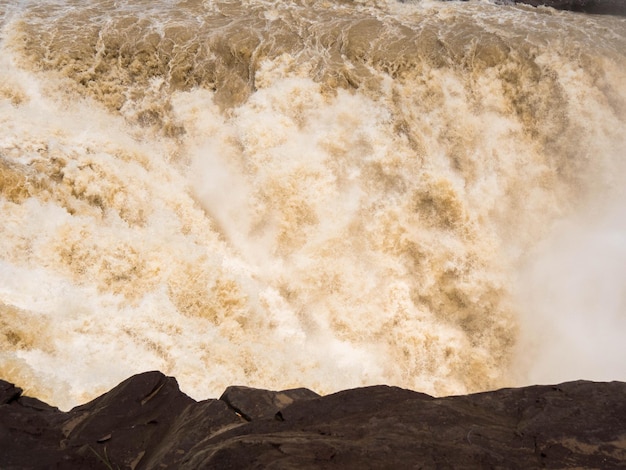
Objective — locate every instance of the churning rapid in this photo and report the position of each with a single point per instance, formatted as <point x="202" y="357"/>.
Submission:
<point x="310" y="193"/>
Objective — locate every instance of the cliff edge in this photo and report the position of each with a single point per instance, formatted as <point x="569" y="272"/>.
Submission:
<point x="146" y="422"/>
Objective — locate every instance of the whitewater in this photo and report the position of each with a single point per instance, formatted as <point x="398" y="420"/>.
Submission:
<point x="325" y="194"/>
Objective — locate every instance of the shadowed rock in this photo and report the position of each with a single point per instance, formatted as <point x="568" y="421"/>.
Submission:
<point x="604" y="7"/>
<point x="8" y="392"/>
<point x="598" y="7"/>
<point x="254" y="403"/>
<point x="147" y="423"/>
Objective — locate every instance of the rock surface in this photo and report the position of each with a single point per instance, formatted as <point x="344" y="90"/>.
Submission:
<point x="606" y="7"/>
<point x="146" y="422"/>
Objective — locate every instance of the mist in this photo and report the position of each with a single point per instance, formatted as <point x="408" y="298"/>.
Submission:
<point x="572" y="294"/>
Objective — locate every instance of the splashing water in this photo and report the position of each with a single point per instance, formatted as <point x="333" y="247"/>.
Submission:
<point x="310" y="193"/>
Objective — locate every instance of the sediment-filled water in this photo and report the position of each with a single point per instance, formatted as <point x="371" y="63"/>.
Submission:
<point x="325" y="194"/>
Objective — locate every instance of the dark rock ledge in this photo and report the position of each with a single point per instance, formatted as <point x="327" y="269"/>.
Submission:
<point x="146" y="422"/>
<point x="598" y="7"/>
<point x="602" y="7"/>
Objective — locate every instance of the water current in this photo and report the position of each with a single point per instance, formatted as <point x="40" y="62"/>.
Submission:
<point x="325" y="194"/>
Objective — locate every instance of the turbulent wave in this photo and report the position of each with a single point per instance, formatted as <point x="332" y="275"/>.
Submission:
<point x="304" y="193"/>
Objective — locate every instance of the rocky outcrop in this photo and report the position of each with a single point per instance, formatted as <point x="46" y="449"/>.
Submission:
<point x="606" y="7"/>
<point x="146" y="422"/>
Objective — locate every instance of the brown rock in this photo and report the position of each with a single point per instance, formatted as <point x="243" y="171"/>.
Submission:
<point x="254" y="403"/>
<point x="147" y="423"/>
<point x="8" y="392"/>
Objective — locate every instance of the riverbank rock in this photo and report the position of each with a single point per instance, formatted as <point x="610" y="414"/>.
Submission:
<point x="146" y="422"/>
